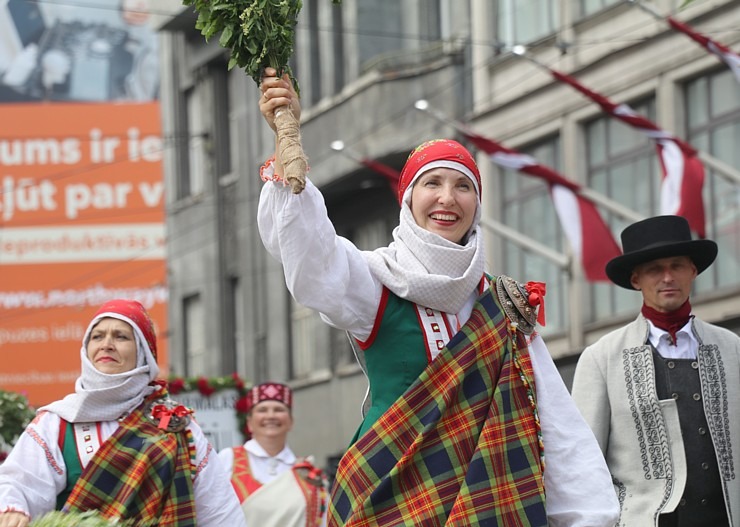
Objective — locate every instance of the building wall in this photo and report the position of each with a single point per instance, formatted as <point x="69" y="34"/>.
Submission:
<point x="465" y="69"/>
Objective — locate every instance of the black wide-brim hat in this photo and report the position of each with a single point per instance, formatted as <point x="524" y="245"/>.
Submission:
<point x="655" y="238"/>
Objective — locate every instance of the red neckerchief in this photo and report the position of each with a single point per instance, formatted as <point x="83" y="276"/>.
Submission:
<point x="670" y="322"/>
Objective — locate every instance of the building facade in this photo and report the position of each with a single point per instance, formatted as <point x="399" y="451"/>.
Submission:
<point x="362" y="66"/>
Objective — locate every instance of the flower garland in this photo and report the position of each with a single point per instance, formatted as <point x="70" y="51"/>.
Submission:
<point x="15" y="414"/>
<point x="208" y="386"/>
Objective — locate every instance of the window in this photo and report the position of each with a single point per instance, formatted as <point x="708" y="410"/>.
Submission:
<point x="196" y="362"/>
<point x="528" y="208"/>
<point x="622" y="164"/>
<point x="218" y="72"/>
<point x="589" y="7"/>
<point x="380" y="28"/>
<point x="522" y="21"/>
<point x="306" y="333"/>
<point x="338" y="47"/>
<point x="194" y="175"/>
<point x="314" y="44"/>
<point x="713" y="123"/>
<point x="235" y="328"/>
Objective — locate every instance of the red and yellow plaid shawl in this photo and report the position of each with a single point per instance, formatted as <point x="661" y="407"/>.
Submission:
<point x="140" y="473"/>
<point x="460" y="447"/>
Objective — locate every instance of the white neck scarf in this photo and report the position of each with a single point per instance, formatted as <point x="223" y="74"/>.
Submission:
<point x="424" y="268"/>
<point x="104" y="397"/>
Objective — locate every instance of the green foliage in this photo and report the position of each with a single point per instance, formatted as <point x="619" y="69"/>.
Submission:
<point x="685" y="3"/>
<point x="259" y="33"/>
<point x="15" y="414"/>
<point x="77" y="519"/>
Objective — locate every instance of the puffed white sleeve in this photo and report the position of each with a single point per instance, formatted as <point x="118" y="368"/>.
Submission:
<point x="216" y="503"/>
<point x="591" y="396"/>
<point x="323" y="271"/>
<point x="578" y="486"/>
<point x="34" y="471"/>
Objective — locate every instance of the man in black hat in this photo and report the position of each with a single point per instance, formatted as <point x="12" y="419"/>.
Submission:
<point x="662" y="394"/>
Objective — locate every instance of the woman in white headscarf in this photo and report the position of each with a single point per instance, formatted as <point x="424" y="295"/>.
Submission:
<point x="118" y="444"/>
<point x="465" y="398"/>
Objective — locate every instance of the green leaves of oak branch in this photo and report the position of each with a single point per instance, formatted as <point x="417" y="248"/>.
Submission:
<point x="259" y="33"/>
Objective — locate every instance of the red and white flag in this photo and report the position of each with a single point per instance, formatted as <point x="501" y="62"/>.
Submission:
<point x="683" y="173"/>
<point x="725" y="54"/>
<point x="589" y="236"/>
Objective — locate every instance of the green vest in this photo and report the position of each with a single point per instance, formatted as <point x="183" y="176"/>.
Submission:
<point x="68" y="445"/>
<point x="394" y="359"/>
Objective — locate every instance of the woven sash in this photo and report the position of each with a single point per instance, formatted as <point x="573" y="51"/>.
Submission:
<point x="140" y="473"/>
<point x="313" y="483"/>
<point x="241" y="475"/>
<point x="461" y="447"/>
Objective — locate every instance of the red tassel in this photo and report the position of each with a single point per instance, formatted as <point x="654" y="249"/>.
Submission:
<point x="536" y="298"/>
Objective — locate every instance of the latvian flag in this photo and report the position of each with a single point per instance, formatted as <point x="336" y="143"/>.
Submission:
<point x="683" y="173"/>
<point x="727" y="56"/>
<point x="590" y="238"/>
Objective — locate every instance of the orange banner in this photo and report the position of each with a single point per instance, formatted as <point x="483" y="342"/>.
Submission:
<point x="81" y="222"/>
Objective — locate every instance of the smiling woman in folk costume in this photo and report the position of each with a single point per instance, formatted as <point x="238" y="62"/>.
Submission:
<point x="469" y="422"/>
<point x="118" y="445"/>
<point x="275" y="488"/>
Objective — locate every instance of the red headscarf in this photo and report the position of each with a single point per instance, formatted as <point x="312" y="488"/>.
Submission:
<point x="135" y="312"/>
<point x="434" y="154"/>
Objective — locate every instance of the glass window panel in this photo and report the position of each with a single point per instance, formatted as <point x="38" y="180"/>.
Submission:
<point x="725" y="141"/>
<point x="596" y="142"/>
<point x="623" y="138"/>
<point x="644" y="180"/>
<point x="599" y="181"/>
<point x="522" y="21"/>
<point x="511" y="189"/>
<point x="724" y="94"/>
<point x="196" y="358"/>
<point x="306" y="328"/>
<point x="591" y="6"/>
<point x="601" y="302"/>
<point x="626" y="300"/>
<point x="380" y="29"/>
<point x="696" y="104"/>
<point x="623" y="185"/>
<point x="717" y="133"/>
<point x="196" y="144"/>
<point x="700" y="141"/>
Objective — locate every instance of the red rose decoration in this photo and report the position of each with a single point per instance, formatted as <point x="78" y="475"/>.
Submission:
<point x="3" y="456"/>
<point x="238" y="382"/>
<point x="204" y="387"/>
<point x="242" y="405"/>
<point x="176" y="386"/>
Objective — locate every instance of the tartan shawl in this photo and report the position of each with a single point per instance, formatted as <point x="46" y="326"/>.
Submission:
<point x="141" y="473"/>
<point x="461" y="447"/>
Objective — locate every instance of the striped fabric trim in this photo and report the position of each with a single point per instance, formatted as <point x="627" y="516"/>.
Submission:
<point x="241" y="475"/>
<point x="47" y="452"/>
<point x="87" y="441"/>
<point x="460" y="447"/>
<point x="435" y="328"/>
